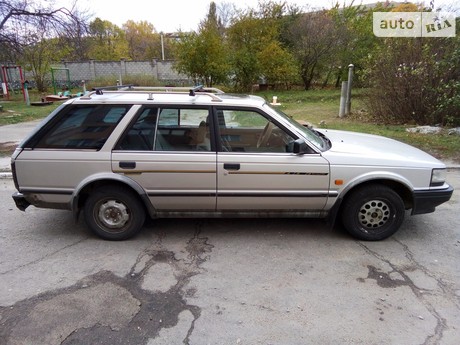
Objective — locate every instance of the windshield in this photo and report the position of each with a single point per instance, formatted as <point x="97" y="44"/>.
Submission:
<point x="313" y="136"/>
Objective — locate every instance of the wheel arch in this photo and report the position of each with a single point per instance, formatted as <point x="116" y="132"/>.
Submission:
<point x="84" y="189"/>
<point x="401" y="187"/>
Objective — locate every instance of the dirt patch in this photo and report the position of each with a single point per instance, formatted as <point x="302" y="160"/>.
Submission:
<point x="7" y="149"/>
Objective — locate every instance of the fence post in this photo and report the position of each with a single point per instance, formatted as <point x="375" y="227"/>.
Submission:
<point x="122" y="69"/>
<point x="93" y="68"/>
<point x="25" y="85"/>
<point x="162" y="47"/>
<point x="343" y="99"/>
<point x="350" y="83"/>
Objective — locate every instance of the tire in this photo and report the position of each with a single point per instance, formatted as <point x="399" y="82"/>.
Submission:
<point x="373" y="213"/>
<point x="114" y="213"/>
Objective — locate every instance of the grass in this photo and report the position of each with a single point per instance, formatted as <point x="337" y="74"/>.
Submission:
<point x="321" y="109"/>
<point x="15" y="110"/>
<point x="318" y="107"/>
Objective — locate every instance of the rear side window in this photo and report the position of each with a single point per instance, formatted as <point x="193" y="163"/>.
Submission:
<point x="168" y="129"/>
<point x="81" y="127"/>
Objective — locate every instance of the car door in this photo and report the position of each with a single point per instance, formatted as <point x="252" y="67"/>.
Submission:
<point x="68" y="148"/>
<point x="258" y="171"/>
<point x="167" y="150"/>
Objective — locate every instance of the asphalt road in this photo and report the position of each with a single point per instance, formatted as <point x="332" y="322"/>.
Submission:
<point x="245" y="281"/>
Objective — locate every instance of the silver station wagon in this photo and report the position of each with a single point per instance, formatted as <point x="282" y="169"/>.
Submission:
<point x="121" y="154"/>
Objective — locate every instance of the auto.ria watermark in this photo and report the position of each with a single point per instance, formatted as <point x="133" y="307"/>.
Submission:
<point x="414" y="24"/>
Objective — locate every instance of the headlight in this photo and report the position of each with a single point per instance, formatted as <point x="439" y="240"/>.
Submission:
<point x="438" y="177"/>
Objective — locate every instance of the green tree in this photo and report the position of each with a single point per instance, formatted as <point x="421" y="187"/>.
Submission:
<point x="246" y="38"/>
<point x="187" y="55"/>
<point x="203" y="55"/>
<point x="255" y="46"/>
<point x="357" y="40"/>
<point x="143" y="40"/>
<point x="277" y="64"/>
<point x="38" y="59"/>
<point x="108" y="41"/>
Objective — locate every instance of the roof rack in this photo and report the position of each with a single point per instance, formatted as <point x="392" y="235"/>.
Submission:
<point x="99" y="90"/>
<point x="151" y="90"/>
<point x="201" y="88"/>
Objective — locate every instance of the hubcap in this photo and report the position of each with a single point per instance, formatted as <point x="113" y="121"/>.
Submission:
<point x="113" y="214"/>
<point x="374" y="214"/>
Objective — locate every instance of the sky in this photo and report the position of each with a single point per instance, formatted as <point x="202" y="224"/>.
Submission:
<point x="185" y="15"/>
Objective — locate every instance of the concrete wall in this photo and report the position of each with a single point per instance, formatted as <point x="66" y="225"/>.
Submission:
<point x="162" y="70"/>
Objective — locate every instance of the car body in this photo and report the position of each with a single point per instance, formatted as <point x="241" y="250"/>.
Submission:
<point x="122" y="154"/>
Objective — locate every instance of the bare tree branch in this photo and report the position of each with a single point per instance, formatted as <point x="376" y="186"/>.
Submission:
<point x="35" y="35"/>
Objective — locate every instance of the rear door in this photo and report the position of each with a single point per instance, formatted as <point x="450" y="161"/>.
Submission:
<point x="258" y="171"/>
<point x="68" y="149"/>
<point x="167" y="150"/>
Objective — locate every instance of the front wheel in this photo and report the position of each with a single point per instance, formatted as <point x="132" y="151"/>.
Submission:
<point x="114" y="213"/>
<point x="373" y="213"/>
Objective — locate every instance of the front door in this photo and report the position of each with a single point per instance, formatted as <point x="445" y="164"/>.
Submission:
<point x="258" y="171"/>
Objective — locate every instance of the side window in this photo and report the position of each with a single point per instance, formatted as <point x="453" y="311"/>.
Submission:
<point x="140" y="135"/>
<point x="183" y="129"/>
<point x="250" y="131"/>
<point x="82" y="127"/>
<point x="169" y="117"/>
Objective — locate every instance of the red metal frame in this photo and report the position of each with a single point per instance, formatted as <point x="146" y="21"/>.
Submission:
<point x="5" y="79"/>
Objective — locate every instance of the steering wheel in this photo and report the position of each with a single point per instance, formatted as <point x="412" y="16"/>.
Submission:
<point x="265" y="134"/>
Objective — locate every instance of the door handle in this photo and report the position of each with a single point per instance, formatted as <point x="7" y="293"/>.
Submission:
<point x="232" y="166"/>
<point x="127" y="165"/>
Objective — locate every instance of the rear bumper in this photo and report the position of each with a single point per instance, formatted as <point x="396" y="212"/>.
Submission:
<point x="426" y="201"/>
<point x="20" y="201"/>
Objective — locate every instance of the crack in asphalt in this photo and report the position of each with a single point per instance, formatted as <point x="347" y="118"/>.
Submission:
<point x="156" y="310"/>
<point x="445" y="288"/>
<point x="197" y="246"/>
<point x="44" y="257"/>
<point x="384" y="280"/>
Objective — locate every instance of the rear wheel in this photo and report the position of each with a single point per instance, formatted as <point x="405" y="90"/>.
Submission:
<point x="373" y="213"/>
<point x="114" y="213"/>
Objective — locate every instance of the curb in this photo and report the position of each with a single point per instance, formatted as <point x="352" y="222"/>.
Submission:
<point x="6" y="175"/>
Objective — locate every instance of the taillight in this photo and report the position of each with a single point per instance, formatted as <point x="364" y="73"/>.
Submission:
<point x="13" y="166"/>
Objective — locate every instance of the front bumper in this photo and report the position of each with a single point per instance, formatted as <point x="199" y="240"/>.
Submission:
<point x="427" y="200"/>
<point x="20" y="201"/>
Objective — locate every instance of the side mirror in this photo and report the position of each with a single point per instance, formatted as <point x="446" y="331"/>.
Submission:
<point x="301" y="147"/>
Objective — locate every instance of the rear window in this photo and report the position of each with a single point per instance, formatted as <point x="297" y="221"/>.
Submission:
<point x="81" y="127"/>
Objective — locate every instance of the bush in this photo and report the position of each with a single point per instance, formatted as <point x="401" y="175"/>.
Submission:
<point x="415" y="80"/>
